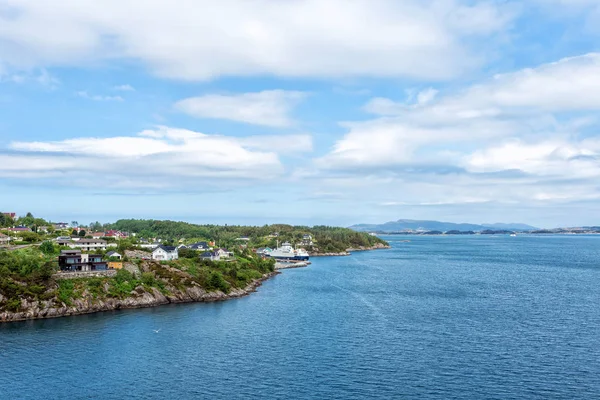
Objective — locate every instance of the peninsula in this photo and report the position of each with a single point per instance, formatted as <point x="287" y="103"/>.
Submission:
<point x="55" y="269"/>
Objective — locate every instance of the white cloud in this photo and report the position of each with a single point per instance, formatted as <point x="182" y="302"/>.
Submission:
<point x="85" y="95"/>
<point x="163" y="157"/>
<point x="281" y="144"/>
<point x="124" y="88"/>
<point x="559" y="158"/>
<point x="302" y="38"/>
<point x="269" y="107"/>
<point x="383" y="106"/>
<point x="507" y="139"/>
<point x="41" y="77"/>
<point x="520" y="104"/>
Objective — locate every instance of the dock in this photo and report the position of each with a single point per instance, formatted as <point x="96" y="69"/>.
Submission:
<point x="291" y="264"/>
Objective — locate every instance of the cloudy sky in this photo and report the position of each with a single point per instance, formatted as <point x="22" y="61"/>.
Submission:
<point x="301" y="111"/>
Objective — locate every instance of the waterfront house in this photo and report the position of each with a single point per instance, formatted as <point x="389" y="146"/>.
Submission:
<point x="74" y="260"/>
<point x="165" y="253"/>
<point x="4" y="239"/>
<point x="114" y="254"/>
<point x="210" y="255"/>
<point x="89" y="244"/>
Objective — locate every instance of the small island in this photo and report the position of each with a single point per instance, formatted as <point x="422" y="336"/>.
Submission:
<point x="52" y="270"/>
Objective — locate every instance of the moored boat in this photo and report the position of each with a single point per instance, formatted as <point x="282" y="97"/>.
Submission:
<point x="287" y="252"/>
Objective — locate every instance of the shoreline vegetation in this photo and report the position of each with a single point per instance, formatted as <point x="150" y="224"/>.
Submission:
<point x="31" y="287"/>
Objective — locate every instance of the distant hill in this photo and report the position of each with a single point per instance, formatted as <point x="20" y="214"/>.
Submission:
<point x="417" y="225"/>
<point x="512" y="227"/>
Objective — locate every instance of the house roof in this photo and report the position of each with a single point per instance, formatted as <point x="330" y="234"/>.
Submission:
<point x="19" y="229"/>
<point x="166" y="248"/>
<point x="69" y="252"/>
<point x="2" y="235"/>
<point x="209" y="254"/>
<point x="111" y="253"/>
<point x="91" y="241"/>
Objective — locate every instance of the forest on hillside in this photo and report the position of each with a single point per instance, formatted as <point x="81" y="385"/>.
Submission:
<point x="325" y="238"/>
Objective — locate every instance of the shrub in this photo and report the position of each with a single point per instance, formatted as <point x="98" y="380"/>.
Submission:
<point x="148" y="279"/>
<point x="123" y="275"/>
<point x="47" y="247"/>
<point x="95" y="286"/>
<point x="217" y="282"/>
<point x="66" y="291"/>
<point x="13" y="305"/>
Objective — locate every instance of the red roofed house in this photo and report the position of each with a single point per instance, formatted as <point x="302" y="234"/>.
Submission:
<point x="12" y="215"/>
<point x="115" y="234"/>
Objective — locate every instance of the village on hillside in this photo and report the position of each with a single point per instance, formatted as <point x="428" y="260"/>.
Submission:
<point x="82" y="248"/>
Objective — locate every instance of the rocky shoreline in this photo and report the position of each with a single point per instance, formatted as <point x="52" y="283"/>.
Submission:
<point x="140" y="298"/>
<point x="348" y="252"/>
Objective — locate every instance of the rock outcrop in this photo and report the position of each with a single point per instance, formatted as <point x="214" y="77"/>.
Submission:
<point x="378" y="246"/>
<point x="139" y="298"/>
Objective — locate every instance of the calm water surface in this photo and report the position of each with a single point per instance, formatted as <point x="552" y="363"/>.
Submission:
<point x="435" y="318"/>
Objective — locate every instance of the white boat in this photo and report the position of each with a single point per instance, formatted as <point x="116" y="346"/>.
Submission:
<point x="288" y="253"/>
<point x="513" y="234"/>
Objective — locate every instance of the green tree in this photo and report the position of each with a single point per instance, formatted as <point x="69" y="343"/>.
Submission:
<point x="82" y="233"/>
<point x="217" y="282"/>
<point x="30" y="237"/>
<point x="47" y="247"/>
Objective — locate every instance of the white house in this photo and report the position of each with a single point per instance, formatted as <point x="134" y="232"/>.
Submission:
<point x="210" y="255"/>
<point x="224" y="253"/>
<point x="88" y="244"/>
<point x="165" y="253"/>
<point x="307" y="240"/>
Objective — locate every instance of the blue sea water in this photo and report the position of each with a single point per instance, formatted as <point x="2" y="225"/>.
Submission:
<point x="475" y="317"/>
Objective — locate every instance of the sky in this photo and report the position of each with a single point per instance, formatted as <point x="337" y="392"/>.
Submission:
<point x="301" y="111"/>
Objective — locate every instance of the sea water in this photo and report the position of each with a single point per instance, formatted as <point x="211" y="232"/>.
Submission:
<point x="446" y="317"/>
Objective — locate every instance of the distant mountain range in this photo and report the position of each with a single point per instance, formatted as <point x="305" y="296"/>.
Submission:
<point x="416" y="225"/>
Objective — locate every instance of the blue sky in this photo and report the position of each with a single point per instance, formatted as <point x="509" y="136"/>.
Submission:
<point x="305" y="111"/>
